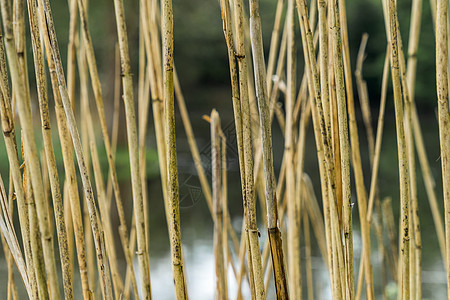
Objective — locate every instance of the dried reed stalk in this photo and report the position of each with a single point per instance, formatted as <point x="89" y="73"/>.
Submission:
<point x="23" y="105"/>
<point x="41" y="82"/>
<point x="134" y="155"/>
<point x="171" y="164"/>
<point x="402" y="151"/>
<point x="7" y="229"/>
<point x="292" y="199"/>
<point x="266" y="140"/>
<point x="69" y="167"/>
<point x="221" y="290"/>
<point x="46" y="16"/>
<point x="9" y="137"/>
<point x="444" y="118"/>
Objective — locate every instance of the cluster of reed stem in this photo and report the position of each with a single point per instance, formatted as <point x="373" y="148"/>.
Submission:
<point x="323" y="92"/>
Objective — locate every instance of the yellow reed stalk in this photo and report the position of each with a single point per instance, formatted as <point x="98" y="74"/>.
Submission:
<point x="414" y="223"/>
<point x="9" y="137"/>
<point x="241" y="94"/>
<point x="8" y="234"/>
<point x="444" y="117"/>
<point x="388" y="216"/>
<point x="377" y="151"/>
<point x="309" y="273"/>
<point x="69" y="167"/>
<point x="267" y="152"/>
<point x="71" y="50"/>
<point x="23" y="105"/>
<point x="103" y="267"/>
<point x="171" y="164"/>
<point x="49" y="152"/>
<point x="274" y="41"/>
<point x="226" y="17"/>
<point x="36" y="245"/>
<point x="131" y="130"/>
<point x="225" y="212"/>
<point x="293" y="201"/>
<point x="134" y="155"/>
<point x="104" y="214"/>
<point x="402" y="150"/>
<point x="12" y="287"/>
<point x="221" y="292"/>
<point x="326" y="162"/>
<point x="345" y="158"/>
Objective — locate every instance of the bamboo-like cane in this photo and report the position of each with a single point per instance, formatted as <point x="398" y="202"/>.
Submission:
<point x="274" y="41"/>
<point x="407" y="84"/>
<point x="309" y="272"/>
<point x="46" y="16"/>
<point x="377" y="151"/>
<point x="266" y="140"/>
<point x="71" y="50"/>
<point x="226" y="218"/>
<point x="402" y="150"/>
<point x="9" y="137"/>
<point x="84" y="99"/>
<point x="69" y="167"/>
<point x="345" y="160"/>
<point x="49" y="152"/>
<point x="105" y="218"/>
<point x="217" y="191"/>
<point x="374" y="147"/>
<point x="36" y="245"/>
<point x="134" y="155"/>
<point x="444" y="117"/>
<point x="356" y="157"/>
<point x="292" y="199"/>
<point x="12" y="287"/>
<point x="388" y="217"/>
<point x="226" y="17"/>
<point x="242" y="117"/>
<point x="314" y="215"/>
<point x="131" y="130"/>
<point x="23" y="105"/>
<point x="7" y="229"/>
<point x="171" y="165"/>
<point x="326" y="162"/>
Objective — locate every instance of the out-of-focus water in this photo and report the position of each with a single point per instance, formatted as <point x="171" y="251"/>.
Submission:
<point x="197" y="226"/>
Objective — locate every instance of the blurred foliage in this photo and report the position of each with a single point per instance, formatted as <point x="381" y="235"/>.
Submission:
<point x="200" y="49"/>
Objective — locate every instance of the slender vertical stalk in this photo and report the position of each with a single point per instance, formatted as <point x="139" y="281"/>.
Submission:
<point x="402" y="150"/>
<point x="378" y="139"/>
<point x="133" y="149"/>
<point x="216" y="185"/>
<point x="36" y="246"/>
<point x="130" y="120"/>
<point x="23" y="105"/>
<point x="266" y="140"/>
<point x="293" y="202"/>
<point x="105" y="218"/>
<point x="309" y="271"/>
<point x="274" y="41"/>
<point x="103" y="267"/>
<point x="444" y="117"/>
<point x="9" y="137"/>
<point x="171" y="165"/>
<point x="49" y="152"/>
<point x="7" y="229"/>
<point x="345" y="157"/>
<point x="70" y="173"/>
<point x="225" y="213"/>
<point x="356" y="156"/>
